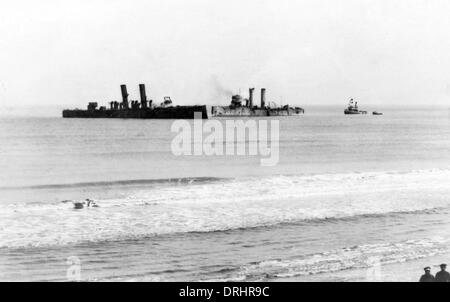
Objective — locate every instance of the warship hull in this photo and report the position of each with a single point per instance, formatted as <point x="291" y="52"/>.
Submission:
<point x="178" y="112"/>
<point x="226" y="111"/>
<point x="285" y="112"/>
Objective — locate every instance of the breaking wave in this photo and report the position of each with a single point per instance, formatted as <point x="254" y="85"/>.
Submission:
<point x="211" y="204"/>
<point x="368" y="256"/>
<point x="184" y="180"/>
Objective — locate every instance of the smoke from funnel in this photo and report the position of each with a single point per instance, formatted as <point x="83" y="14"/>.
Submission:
<point x="219" y="89"/>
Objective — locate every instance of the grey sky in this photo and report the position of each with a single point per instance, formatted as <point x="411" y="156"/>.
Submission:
<point x="307" y="52"/>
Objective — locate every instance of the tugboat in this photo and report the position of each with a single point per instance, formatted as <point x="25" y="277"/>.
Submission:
<point x="352" y="108"/>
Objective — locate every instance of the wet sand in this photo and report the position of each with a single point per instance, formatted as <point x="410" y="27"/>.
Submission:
<point x="409" y="271"/>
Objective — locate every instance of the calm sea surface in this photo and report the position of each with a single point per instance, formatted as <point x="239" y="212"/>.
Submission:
<point x="348" y="192"/>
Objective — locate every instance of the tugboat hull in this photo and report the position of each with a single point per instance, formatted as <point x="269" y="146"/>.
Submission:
<point x="351" y="112"/>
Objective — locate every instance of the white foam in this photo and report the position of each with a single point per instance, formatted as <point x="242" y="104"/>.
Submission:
<point x="239" y="203"/>
<point x="370" y="256"/>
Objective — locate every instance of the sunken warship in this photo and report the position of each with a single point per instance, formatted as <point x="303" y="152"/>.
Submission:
<point x="239" y="108"/>
<point x="143" y="109"/>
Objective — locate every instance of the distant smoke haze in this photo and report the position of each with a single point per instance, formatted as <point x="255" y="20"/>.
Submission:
<point x="219" y="93"/>
<point x="219" y="89"/>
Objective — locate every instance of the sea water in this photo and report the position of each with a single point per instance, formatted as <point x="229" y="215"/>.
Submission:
<point x="349" y="194"/>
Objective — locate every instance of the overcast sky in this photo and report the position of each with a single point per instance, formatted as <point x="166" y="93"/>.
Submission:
<point x="305" y="52"/>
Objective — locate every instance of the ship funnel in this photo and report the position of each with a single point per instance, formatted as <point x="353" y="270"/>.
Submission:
<point x="143" y="96"/>
<point x="263" y="97"/>
<point x="250" y="98"/>
<point x="123" y="88"/>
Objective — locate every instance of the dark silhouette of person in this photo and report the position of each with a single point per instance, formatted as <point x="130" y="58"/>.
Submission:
<point x="443" y="275"/>
<point x="427" y="277"/>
